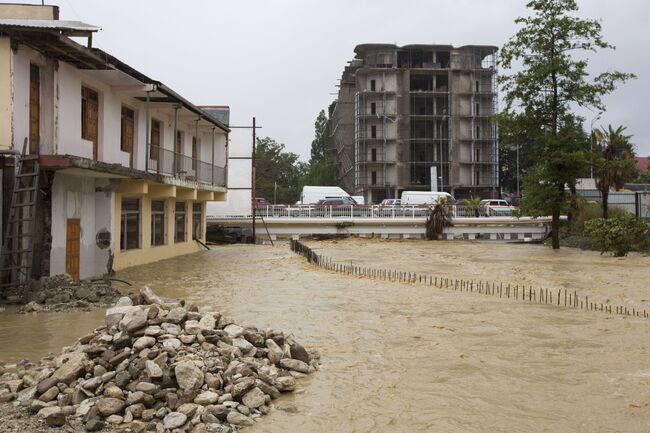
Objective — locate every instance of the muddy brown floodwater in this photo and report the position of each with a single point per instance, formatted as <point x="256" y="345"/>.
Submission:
<point x="407" y="358"/>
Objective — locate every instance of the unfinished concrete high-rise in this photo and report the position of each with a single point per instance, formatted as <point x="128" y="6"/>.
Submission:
<point x="402" y="110"/>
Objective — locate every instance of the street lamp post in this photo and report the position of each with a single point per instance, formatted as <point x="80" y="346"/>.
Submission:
<point x="591" y="142"/>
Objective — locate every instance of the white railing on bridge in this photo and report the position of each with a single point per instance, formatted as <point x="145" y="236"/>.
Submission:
<point x="362" y="211"/>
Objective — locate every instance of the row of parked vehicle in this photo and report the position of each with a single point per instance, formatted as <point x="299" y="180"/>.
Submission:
<point x="411" y="202"/>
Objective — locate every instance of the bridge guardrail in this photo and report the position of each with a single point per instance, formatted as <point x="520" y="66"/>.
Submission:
<point x="360" y="211"/>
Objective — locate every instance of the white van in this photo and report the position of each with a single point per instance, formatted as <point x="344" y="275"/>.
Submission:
<point x="425" y="197"/>
<point x="313" y="194"/>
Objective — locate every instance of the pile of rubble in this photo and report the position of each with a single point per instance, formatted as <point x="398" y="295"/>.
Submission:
<point x="60" y="292"/>
<point x="161" y="366"/>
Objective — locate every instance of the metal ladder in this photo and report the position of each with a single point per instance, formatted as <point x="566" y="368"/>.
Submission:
<point x="18" y="247"/>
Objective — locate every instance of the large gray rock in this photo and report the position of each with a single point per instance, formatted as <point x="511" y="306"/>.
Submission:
<point x="285" y="383"/>
<point x="236" y="418"/>
<point x="242" y="344"/>
<point x="254" y="398"/>
<point x="176" y="315"/>
<point x="242" y="386"/>
<point x="174" y="420"/>
<point x="295" y="365"/>
<point x="133" y="320"/>
<point x="298" y="352"/>
<point x="153" y="369"/>
<point x="234" y="331"/>
<point x="150" y="297"/>
<point x="72" y="368"/>
<point x="188" y="376"/>
<point x="206" y="398"/>
<point x="275" y="352"/>
<point x="143" y="343"/>
<point x="109" y="406"/>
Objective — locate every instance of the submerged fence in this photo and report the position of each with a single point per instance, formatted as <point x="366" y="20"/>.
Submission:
<point x="560" y="297"/>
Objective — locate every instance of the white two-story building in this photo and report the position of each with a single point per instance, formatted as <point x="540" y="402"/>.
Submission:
<point x="127" y="164"/>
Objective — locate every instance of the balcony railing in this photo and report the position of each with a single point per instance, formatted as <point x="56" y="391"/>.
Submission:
<point x="168" y="162"/>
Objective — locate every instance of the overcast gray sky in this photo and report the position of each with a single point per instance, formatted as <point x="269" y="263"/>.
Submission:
<point x="279" y="60"/>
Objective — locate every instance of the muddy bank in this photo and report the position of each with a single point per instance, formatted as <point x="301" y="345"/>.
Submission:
<point x="606" y="279"/>
<point x="404" y="358"/>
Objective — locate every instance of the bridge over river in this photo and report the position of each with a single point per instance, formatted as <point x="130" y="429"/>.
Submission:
<point x="292" y="222"/>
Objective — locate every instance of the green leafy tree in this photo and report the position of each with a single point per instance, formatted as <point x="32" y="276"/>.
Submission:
<point x="552" y="80"/>
<point x="617" y="235"/>
<point x="615" y="164"/>
<point x="273" y="165"/>
<point x="319" y="144"/>
<point x="322" y="169"/>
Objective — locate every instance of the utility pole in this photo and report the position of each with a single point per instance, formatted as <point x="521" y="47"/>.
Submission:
<point x="253" y="200"/>
<point x="518" y="194"/>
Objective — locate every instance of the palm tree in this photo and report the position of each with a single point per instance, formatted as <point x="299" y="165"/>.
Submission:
<point x="440" y="215"/>
<point x="473" y="204"/>
<point x="615" y="164"/>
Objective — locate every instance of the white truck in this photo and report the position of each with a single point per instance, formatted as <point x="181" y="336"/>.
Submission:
<point x="425" y="197"/>
<point x="312" y="194"/>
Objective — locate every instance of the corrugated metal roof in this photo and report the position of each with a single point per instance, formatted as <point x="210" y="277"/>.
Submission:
<point x="50" y="25"/>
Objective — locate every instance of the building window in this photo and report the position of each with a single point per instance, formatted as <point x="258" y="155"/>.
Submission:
<point x="373" y="131"/>
<point x="373" y="155"/>
<point x="197" y="221"/>
<point x="130" y="224"/>
<point x="478" y="132"/>
<point x="373" y="178"/>
<point x="478" y="111"/>
<point x="127" y="136"/>
<point x="178" y="152"/>
<point x="478" y="155"/>
<point x="373" y="85"/>
<point x="90" y="117"/>
<point x="373" y="108"/>
<point x="179" y="222"/>
<point x="158" y="223"/>
<point x="477" y="87"/>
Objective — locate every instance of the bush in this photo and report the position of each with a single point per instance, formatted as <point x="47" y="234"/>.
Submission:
<point x="618" y="235"/>
<point x="589" y="210"/>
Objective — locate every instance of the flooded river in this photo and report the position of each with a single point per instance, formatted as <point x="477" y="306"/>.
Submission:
<point x="405" y="358"/>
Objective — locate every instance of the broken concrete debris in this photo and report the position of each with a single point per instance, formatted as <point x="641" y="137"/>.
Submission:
<point x="161" y="365"/>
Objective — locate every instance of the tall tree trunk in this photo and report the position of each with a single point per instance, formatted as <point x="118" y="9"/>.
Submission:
<point x="605" y="193"/>
<point x="555" y="230"/>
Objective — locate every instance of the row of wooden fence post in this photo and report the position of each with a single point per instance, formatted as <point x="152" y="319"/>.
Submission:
<point x="563" y="298"/>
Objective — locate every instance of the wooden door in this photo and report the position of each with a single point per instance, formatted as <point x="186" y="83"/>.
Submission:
<point x="90" y="117"/>
<point x="72" y="247"/>
<point x="128" y="127"/>
<point x="34" y="108"/>
<point x="154" y="148"/>
<point x="178" y="151"/>
<point x="195" y="153"/>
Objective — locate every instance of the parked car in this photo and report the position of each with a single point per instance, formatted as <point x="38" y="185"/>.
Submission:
<point x="312" y="194"/>
<point x="391" y="202"/>
<point x="336" y="201"/>
<point x="425" y="197"/>
<point x="261" y="201"/>
<point x="494" y="207"/>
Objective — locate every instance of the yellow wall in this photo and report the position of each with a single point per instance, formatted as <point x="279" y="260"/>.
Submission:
<point x="5" y="93"/>
<point x="147" y="253"/>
